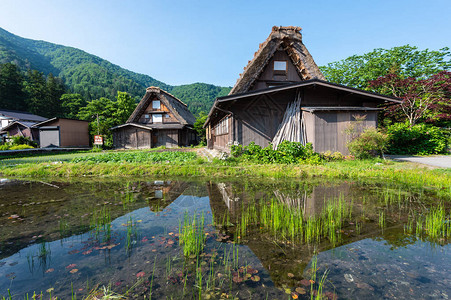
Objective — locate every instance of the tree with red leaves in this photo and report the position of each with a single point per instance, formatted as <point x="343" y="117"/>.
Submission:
<point x="428" y="100"/>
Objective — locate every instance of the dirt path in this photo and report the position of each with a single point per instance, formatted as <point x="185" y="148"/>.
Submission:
<point x="440" y="161"/>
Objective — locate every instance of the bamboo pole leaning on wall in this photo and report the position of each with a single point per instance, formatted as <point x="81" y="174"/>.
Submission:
<point x="292" y="127"/>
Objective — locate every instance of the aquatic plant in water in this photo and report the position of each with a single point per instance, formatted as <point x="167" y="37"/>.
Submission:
<point x="192" y="234"/>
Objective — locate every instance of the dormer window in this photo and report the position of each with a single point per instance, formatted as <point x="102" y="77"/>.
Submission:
<point x="280" y="67"/>
<point x="156" y="104"/>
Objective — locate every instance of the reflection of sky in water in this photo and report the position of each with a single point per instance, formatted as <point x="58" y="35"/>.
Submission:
<point x="374" y="269"/>
<point x="25" y="271"/>
<point x="364" y="269"/>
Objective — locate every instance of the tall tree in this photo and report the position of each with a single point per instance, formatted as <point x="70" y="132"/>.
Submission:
<point x="422" y="99"/>
<point x="125" y="105"/>
<point x="71" y="105"/>
<point x="35" y="86"/>
<point x="198" y="126"/>
<point x="54" y="90"/>
<point x="101" y="114"/>
<point x="12" y="95"/>
<point x="405" y="61"/>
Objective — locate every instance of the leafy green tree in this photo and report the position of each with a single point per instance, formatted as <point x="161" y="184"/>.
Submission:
<point x="44" y="94"/>
<point x="125" y="105"/>
<point x="71" y="105"/>
<point x="405" y="61"/>
<point x="35" y="86"/>
<point x="54" y="90"/>
<point x="105" y="113"/>
<point x="12" y="95"/>
<point x="198" y="126"/>
<point x="100" y="112"/>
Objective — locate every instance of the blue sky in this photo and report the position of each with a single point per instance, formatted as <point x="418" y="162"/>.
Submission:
<point x="181" y="42"/>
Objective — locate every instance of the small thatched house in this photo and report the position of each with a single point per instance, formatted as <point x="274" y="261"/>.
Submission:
<point x="282" y="95"/>
<point x="160" y="119"/>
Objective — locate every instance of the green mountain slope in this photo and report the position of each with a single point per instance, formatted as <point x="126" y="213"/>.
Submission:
<point x="94" y="77"/>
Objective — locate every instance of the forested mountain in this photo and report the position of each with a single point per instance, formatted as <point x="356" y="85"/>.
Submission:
<point x="93" y="77"/>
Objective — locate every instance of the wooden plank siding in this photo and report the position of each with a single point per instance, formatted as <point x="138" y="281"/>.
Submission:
<point x="132" y="138"/>
<point x="268" y="77"/>
<point x="330" y="129"/>
<point x="168" y="138"/>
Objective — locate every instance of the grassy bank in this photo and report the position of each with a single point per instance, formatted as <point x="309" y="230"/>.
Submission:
<point x="374" y="170"/>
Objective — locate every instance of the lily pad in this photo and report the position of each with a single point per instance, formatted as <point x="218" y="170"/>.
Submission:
<point x="300" y="290"/>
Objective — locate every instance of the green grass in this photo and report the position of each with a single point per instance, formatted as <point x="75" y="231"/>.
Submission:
<point x="43" y="157"/>
<point x="173" y="163"/>
<point x="192" y="234"/>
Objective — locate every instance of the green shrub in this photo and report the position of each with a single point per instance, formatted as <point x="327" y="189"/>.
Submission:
<point x="286" y="153"/>
<point x="4" y="147"/>
<point x="419" y="139"/>
<point x="329" y="156"/>
<point x="20" y="147"/>
<point x="21" y="140"/>
<point x="370" y="143"/>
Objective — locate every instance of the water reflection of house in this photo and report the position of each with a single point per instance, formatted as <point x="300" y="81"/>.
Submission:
<point x="165" y="192"/>
<point x="231" y="197"/>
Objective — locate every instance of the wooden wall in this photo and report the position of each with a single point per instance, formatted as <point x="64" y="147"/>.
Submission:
<point x="330" y="129"/>
<point x="166" y="137"/>
<point x="258" y="120"/>
<point x="132" y="138"/>
<point x="223" y="141"/>
<point x="163" y="109"/>
<point x="268" y="77"/>
<point x="74" y="133"/>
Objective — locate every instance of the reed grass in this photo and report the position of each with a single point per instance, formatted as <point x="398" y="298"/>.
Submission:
<point x="287" y="223"/>
<point x="192" y="234"/>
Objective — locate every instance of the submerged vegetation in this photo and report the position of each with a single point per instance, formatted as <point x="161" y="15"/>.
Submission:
<point x="248" y="239"/>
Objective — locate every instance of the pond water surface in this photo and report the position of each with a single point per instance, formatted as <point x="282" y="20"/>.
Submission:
<point x="354" y="240"/>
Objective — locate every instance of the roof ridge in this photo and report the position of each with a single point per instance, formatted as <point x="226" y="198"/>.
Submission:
<point x="159" y="90"/>
<point x="290" y="38"/>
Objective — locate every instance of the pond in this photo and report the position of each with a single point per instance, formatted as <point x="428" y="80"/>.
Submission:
<point x="242" y="239"/>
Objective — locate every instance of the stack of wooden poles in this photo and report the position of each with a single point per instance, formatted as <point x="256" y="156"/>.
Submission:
<point x="292" y="127"/>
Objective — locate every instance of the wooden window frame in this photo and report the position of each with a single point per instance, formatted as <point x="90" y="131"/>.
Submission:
<point x="159" y="104"/>
<point x="222" y="128"/>
<point x="161" y="118"/>
<point x="280" y="72"/>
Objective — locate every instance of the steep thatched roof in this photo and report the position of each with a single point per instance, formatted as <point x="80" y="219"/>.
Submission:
<point x="289" y="39"/>
<point x="175" y="106"/>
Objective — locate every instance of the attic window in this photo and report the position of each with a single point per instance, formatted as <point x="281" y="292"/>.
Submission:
<point x="156" y="104"/>
<point x="280" y="67"/>
<point x="157" y="118"/>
